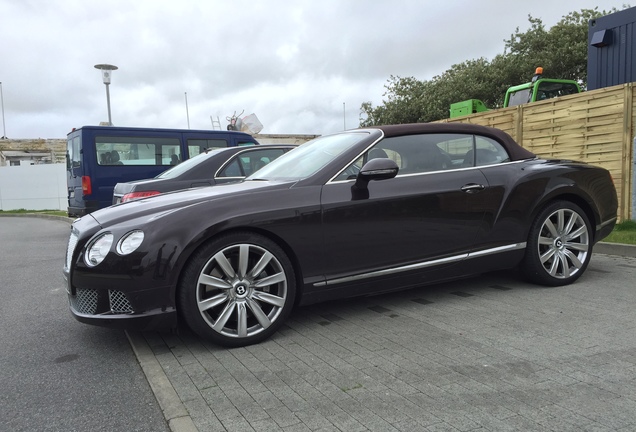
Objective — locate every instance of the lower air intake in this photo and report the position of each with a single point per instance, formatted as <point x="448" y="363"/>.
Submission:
<point x="118" y="302"/>
<point x="85" y="301"/>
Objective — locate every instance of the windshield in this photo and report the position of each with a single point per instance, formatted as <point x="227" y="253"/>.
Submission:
<point x="310" y="157"/>
<point x="520" y="97"/>
<point x="184" y="166"/>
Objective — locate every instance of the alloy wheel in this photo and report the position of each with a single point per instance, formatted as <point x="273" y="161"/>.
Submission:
<point x="241" y="290"/>
<point x="563" y="243"/>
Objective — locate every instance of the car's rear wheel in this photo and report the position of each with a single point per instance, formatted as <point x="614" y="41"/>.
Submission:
<point x="237" y="289"/>
<point x="559" y="245"/>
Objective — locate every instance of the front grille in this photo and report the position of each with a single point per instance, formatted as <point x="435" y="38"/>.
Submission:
<point x="118" y="302"/>
<point x="85" y="301"/>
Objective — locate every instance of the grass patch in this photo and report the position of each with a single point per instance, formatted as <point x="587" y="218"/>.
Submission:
<point x="24" y="211"/>
<point x="624" y="232"/>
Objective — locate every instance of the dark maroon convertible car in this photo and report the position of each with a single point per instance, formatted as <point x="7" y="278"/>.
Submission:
<point x="353" y="213"/>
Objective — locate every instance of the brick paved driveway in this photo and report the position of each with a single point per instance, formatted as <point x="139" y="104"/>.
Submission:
<point x="485" y="354"/>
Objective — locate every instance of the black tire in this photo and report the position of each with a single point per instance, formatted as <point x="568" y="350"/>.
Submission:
<point x="559" y="245"/>
<point x="237" y="290"/>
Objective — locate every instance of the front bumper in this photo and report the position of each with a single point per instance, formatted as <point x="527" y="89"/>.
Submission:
<point x="129" y="292"/>
<point x="114" y="309"/>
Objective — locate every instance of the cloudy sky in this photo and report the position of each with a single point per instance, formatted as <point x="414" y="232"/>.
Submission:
<point x="303" y="67"/>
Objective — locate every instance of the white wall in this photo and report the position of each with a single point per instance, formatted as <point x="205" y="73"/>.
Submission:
<point x="33" y="187"/>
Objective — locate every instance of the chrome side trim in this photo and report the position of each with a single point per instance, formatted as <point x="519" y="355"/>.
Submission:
<point x="497" y="250"/>
<point x="424" y="264"/>
<point x="607" y="222"/>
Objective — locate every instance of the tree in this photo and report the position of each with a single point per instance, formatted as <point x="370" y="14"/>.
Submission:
<point x="561" y="51"/>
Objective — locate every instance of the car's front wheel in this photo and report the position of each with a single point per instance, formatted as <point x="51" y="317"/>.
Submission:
<point x="237" y="289"/>
<point x="559" y="245"/>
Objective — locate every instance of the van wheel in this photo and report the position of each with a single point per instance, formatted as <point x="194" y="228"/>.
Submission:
<point x="237" y="290"/>
<point x="559" y="245"/>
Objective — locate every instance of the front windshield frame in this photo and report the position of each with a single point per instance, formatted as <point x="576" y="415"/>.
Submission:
<point x="309" y="158"/>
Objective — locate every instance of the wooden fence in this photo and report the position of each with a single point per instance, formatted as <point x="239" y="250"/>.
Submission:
<point x="595" y="127"/>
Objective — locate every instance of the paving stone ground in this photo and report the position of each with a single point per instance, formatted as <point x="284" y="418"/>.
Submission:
<point x="491" y="353"/>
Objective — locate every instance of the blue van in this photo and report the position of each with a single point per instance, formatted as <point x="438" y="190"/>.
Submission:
<point x="98" y="157"/>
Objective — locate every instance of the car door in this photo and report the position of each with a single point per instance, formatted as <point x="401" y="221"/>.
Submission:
<point x="430" y="213"/>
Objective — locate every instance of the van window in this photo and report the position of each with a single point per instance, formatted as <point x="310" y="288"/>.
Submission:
<point x="73" y="149"/>
<point x="136" y="150"/>
<point x="198" y="146"/>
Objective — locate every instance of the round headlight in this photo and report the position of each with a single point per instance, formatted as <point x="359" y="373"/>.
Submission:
<point x="130" y="242"/>
<point x="97" y="249"/>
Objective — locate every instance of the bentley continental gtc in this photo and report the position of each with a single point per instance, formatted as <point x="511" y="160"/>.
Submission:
<point x="354" y="213"/>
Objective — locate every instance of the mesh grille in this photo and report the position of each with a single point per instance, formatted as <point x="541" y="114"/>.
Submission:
<point x="118" y="302"/>
<point x="85" y="301"/>
<point x="72" y="242"/>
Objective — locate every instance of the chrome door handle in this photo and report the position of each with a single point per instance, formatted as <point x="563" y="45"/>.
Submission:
<point x="472" y="188"/>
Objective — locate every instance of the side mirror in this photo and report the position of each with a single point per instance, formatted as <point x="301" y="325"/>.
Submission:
<point x="377" y="169"/>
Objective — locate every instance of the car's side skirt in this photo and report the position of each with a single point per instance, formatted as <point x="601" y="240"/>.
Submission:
<point x="424" y="264"/>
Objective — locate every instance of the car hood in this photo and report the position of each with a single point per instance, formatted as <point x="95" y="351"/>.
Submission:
<point x="173" y="201"/>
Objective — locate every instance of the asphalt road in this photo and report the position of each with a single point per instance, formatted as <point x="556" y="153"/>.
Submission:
<point x="57" y="374"/>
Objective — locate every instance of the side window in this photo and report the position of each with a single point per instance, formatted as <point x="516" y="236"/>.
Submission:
<point x="197" y="146"/>
<point x="73" y="152"/>
<point x="233" y="169"/>
<point x="549" y="90"/>
<point x="136" y="150"/>
<point x="487" y="152"/>
<point x="416" y="154"/>
<point x="427" y="152"/>
<point x="170" y="155"/>
<point x="249" y="162"/>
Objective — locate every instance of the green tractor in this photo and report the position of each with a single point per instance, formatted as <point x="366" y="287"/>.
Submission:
<point x="537" y="89"/>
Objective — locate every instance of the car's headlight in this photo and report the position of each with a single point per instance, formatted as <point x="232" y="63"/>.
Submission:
<point x="130" y="242"/>
<point x="97" y="249"/>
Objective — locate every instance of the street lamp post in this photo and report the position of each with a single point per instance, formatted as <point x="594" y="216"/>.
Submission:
<point x="106" y="73"/>
<point x="4" y="126"/>
<point x="187" y="112"/>
<point x="344" y="116"/>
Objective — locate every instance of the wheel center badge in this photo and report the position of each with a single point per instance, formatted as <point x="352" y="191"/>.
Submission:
<point x="558" y="243"/>
<point x="241" y="290"/>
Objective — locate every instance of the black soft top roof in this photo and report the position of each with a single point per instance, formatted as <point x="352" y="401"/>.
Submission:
<point x="515" y="151"/>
